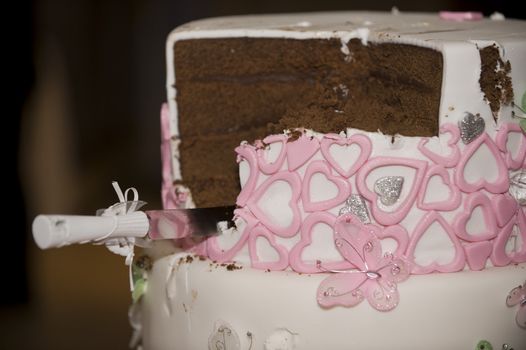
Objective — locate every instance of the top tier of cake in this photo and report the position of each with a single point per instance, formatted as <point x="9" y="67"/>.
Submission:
<point x="241" y="78"/>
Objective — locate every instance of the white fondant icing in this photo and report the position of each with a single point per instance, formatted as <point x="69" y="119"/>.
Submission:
<point x="436" y="311"/>
<point x="282" y="339"/>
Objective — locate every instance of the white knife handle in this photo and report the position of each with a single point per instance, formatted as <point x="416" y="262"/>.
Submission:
<point x="51" y="231"/>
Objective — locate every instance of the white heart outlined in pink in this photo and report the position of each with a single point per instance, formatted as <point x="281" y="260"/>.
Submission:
<point x="322" y="167"/>
<point x="266" y="167"/>
<point x="295" y="184"/>
<point x="333" y="139"/>
<point x="502" y="139"/>
<point x="295" y="258"/>
<point x="500" y="185"/>
<point x="260" y="231"/>
<point x="499" y="257"/>
<point x="471" y="202"/>
<point x="421" y="228"/>
<point x="449" y="204"/>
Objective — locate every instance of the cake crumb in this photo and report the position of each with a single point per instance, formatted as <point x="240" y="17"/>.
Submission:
<point x="294" y="135"/>
<point x="232" y="267"/>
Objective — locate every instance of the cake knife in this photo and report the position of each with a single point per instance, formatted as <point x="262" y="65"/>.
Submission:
<point x="51" y="231"/>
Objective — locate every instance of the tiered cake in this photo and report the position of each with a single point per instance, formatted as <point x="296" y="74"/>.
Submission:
<point x="377" y="164"/>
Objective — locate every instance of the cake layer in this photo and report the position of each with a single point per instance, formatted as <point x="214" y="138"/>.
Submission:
<point x="242" y="78"/>
<point x="187" y="300"/>
<point x="233" y="89"/>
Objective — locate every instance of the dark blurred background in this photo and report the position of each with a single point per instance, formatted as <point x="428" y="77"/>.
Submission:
<point x="85" y="81"/>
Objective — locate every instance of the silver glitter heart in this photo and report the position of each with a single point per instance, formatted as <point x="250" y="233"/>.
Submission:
<point x="518" y="187"/>
<point x="355" y="204"/>
<point x="389" y="189"/>
<point x="471" y="127"/>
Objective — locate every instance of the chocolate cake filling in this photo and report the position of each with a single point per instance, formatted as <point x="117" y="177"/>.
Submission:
<point x="235" y="89"/>
<point x="495" y="80"/>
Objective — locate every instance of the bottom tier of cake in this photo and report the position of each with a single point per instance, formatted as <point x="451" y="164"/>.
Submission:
<point x="193" y="303"/>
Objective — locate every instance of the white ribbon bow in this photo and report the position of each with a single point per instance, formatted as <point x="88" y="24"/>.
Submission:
<point x="123" y="246"/>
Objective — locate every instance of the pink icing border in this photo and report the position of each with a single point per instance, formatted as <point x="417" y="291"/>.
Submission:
<point x="248" y="153"/>
<point x="322" y="167"/>
<point x="271" y="168"/>
<point x="500" y="185"/>
<point x="394" y="217"/>
<point x="454" y="156"/>
<point x="449" y="204"/>
<point x="471" y="202"/>
<point x="502" y="139"/>
<point x="459" y="16"/>
<point x="499" y="257"/>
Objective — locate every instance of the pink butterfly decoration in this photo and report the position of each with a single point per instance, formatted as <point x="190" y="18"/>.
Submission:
<point x="374" y="276"/>
<point x="517" y="296"/>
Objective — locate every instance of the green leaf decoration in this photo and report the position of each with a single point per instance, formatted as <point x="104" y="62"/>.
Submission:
<point x="137" y="273"/>
<point x="484" y="345"/>
<point x="523" y="102"/>
<point x="139" y="288"/>
<point x="522" y="123"/>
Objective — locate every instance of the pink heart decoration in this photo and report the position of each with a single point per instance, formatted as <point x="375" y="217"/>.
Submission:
<point x="500" y="185"/>
<point x="477" y="254"/>
<point x="499" y="257"/>
<point x="295" y="256"/>
<point x="261" y="231"/>
<point x="333" y="139"/>
<point x="472" y="201"/>
<point x="450" y="160"/>
<point x="399" y="234"/>
<point x="505" y="207"/>
<point x="458" y="261"/>
<point x="344" y="188"/>
<point x="397" y="215"/>
<point x="272" y="167"/>
<point x="247" y="153"/>
<point x="215" y="252"/>
<point x="502" y="139"/>
<point x="295" y="184"/>
<point x="301" y="150"/>
<point x="449" y="204"/>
